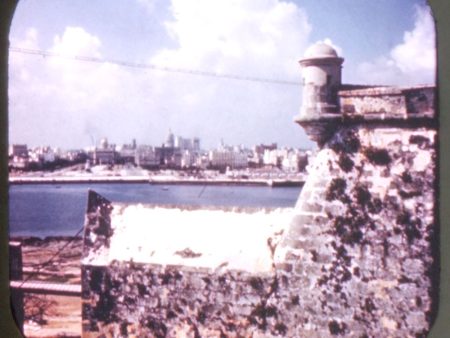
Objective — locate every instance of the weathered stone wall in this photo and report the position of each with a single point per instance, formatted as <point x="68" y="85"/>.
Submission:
<point x="359" y="258"/>
<point x="388" y="102"/>
<point x="200" y="297"/>
<point x="362" y="250"/>
<point x="143" y="300"/>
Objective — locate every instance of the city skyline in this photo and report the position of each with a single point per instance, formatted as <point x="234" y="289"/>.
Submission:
<point x="64" y="102"/>
<point x="99" y="143"/>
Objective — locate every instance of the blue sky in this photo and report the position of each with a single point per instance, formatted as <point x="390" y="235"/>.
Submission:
<point x="72" y="104"/>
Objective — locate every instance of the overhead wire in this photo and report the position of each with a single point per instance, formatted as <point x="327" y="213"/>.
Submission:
<point x="50" y="260"/>
<point x="152" y="66"/>
<point x="129" y="64"/>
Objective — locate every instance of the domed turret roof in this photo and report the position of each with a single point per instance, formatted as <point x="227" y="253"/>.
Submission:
<point x="320" y="50"/>
<point x="104" y="143"/>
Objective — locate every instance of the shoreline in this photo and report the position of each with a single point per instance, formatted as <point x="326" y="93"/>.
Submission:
<point x="36" y="240"/>
<point x="156" y="181"/>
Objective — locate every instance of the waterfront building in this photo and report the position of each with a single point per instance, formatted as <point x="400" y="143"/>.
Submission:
<point x="18" y="162"/>
<point x="178" y="152"/>
<point x="303" y="160"/>
<point x="256" y="157"/>
<point x="145" y="156"/>
<point x="187" y="143"/>
<point x="260" y="148"/>
<point x="127" y="153"/>
<point x="74" y="155"/>
<point x="290" y="163"/>
<point x="288" y="159"/>
<point x="44" y="154"/>
<point x="202" y="160"/>
<point x="168" y="156"/>
<point x="105" y="154"/>
<point x="188" y="158"/>
<point x="196" y="144"/>
<point x="223" y="158"/>
<point x="271" y="158"/>
<point x="18" y="150"/>
<point x="170" y="140"/>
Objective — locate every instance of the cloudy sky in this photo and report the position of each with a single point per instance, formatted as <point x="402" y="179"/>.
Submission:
<point x="60" y="98"/>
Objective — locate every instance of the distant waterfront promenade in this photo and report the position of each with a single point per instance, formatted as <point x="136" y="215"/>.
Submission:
<point x="136" y="175"/>
<point x="139" y="179"/>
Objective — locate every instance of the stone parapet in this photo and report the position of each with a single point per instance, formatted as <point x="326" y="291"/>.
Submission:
<point x="97" y="228"/>
<point x="404" y="107"/>
<point x="384" y="103"/>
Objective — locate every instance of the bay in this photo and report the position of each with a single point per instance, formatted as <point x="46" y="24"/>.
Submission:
<point x="43" y="210"/>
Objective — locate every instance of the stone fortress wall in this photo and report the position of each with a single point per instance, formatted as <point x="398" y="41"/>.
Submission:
<point x="359" y="257"/>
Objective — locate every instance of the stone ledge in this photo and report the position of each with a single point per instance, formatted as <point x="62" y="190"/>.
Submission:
<point x="381" y="90"/>
<point x="175" y="236"/>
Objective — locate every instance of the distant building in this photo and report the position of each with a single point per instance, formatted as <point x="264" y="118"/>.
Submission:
<point x="168" y="156"/>
<point x="261" y="148"/>
<point x="178" y="152"/>
<point x="256" y="158"/>
<point x="106" y="154"/>
<point x="188" y="159"/>
<point x="271" y="157"/>
<point x="43" y="155"/>
<point x="145" y="156"/>
<point x="290" y="163"/>
<point x="18" y="156"/>
<point x="75" y="155"/>
<point x="170" y="141"/>
<point x="202" y="160"/>
<point x="288" y="159"/>
<point x="18" y="150"/>
<point x="222" y="158"/>
<point x="303" y="160"/>
<point x="182" y="143"/>
<point x="127" y="153"/>
<point x="196" y="144"/>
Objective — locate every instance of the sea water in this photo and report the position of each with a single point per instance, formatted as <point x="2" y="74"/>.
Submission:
<point x="43" y="210"/>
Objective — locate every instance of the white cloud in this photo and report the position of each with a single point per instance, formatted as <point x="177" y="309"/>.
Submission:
<point x="409" y="63"/>
<point x="58" y="96"/>
<point x="418" y="49"/>
<point x="78" y="101"/>
<point x="149" y="5"/>
<point x="84" y="84"/>
<point x="76" y="41"/>
<point x="249" y="37"/>
<point x="30" y="40"/>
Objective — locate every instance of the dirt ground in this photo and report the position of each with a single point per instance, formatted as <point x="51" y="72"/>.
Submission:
<point x="50" y="315"/>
